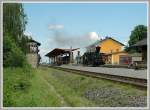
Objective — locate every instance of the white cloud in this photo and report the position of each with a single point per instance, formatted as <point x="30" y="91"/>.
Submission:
<point x="55" y="26"/>
<point x="43" y="52"/>
<point x="126" y="41"/>
<point x="28" y="33"/>
<point x="93" y="36"/>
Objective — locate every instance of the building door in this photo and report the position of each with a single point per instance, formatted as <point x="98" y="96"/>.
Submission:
<point x="124" y="60"/>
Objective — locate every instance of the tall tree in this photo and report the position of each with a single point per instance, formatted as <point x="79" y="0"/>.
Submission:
<point x="139" y="33"/>
<point x="14" y="44"/>
<point x="14" y="21"/>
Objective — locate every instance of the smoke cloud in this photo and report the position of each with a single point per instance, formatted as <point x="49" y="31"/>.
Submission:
<point x="55" y="26"/>
<point x="63" y="39"/>
<point x="59" y="38"/>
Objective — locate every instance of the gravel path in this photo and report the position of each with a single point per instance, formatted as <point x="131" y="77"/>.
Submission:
<point x="115" y="97"/>
<point x="114" y="71"/>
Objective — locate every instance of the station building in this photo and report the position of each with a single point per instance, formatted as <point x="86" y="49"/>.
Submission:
<point x="113" y="51"/>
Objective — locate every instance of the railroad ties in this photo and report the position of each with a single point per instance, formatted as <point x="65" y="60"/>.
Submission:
<point x="139" y="82"/>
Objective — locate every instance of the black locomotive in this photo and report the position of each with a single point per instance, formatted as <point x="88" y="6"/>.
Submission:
<point x="93" y="58"/>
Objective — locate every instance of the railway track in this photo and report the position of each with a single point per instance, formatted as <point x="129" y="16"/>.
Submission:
<point x="122" y="79"/>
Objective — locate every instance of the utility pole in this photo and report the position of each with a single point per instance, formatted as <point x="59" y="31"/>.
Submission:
<point x="70" y="54"/>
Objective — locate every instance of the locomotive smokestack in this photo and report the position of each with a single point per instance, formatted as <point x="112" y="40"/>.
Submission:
<point x="98" y="49"/>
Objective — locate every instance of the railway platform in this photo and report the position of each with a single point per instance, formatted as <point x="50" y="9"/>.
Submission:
<point x="125" y="72"/>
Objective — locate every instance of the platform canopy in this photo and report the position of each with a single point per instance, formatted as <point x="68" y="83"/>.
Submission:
<point x="58" y="51"/>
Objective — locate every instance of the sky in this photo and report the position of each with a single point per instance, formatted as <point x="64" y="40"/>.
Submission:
<point x="62" y="25"/>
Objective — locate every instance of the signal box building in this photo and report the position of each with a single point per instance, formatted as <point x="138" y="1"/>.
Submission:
<point x="32" y="53"/>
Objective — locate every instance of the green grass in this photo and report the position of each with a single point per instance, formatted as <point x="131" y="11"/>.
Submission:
<point x="16" y="82"/>
<point x="47" y="87"/>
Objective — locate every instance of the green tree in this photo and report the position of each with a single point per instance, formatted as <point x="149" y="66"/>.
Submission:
<point x="13" y="56"/>
<point x="137" y="34"/>
<point x="14" y="21"/>
<point x="24" y="41"/>
<point x="14" y="40"/>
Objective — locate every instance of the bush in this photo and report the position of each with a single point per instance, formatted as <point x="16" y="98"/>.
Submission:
<point x="13" y="56"/>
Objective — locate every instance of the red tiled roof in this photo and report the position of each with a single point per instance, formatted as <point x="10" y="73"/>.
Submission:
<point x="58" y="51"/>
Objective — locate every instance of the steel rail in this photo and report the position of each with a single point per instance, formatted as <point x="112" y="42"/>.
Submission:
<point x="122" y="79"/>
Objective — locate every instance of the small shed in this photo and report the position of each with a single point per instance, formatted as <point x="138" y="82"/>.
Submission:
<point x="141" y="48"/>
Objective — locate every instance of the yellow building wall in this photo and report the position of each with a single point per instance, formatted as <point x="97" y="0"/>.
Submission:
<point x="116" y="56"/>
<point x="110" y="45"/>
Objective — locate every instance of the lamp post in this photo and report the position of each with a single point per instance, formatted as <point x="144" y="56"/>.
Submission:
<point x="70" y="54"/>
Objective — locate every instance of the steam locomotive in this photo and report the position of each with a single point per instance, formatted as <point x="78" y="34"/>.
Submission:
<point x="93" y="58"/>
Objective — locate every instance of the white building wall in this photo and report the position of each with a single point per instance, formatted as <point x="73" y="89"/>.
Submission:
<point x="32" y="59"/>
